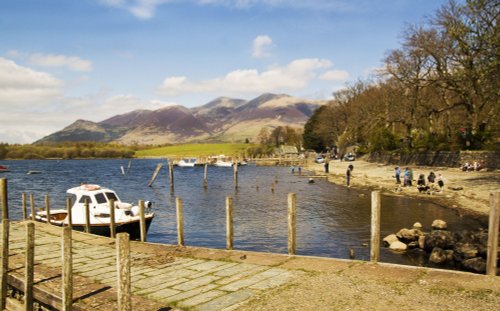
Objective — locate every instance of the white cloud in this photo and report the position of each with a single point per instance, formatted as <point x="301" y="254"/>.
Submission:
<point x="50" y="60"/>
<point x="261" y="46"/>
<point x="143" y="9"/>
<point x="294" y="76"/>
<point x="336" y="5"/>
<point x="21" y="85"/>
<point x="335" y="75"/>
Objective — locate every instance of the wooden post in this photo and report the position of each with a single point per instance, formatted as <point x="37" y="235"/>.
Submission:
<point x="205" y="183"/>
<point x="67" y="270"/>
<point x="112" y="225"/>
<point x="47" y="208"/>
<point x="87" y="216"/>
<point x="493" y="227"/>
<point x="32" y="205"/>
<point x="3" y="191"/>
<point x="70" y="212"/>
<point x="180" y="222"/>
<point x="375" y="227"/>
<point x="123" y="267"/>
<point x="235" y="174"/>
<point x="23" y="206"/>
<point x="29" y="266"/>
<point x="5" y="262"/>
<point x="142" y="222"/>
<point x="171" y="173"/>
<point x="229" y="223"/>
<point x="155" y="174"/>
<point x="292" y="223"/>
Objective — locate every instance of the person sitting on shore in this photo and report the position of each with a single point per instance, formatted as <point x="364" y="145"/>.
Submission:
<point x="421" y="186"/>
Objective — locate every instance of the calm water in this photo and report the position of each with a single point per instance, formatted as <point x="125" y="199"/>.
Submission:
<point x="330" y="219"/>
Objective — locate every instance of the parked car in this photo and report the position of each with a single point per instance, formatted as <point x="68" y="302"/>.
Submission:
<point x="349" y="157"/>
<point x="319" y="159"/>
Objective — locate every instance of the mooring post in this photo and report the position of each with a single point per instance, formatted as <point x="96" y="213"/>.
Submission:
<point x="155" y="174"/>
<point x="112" y="225"/>
<point x="180" y="222"/>
<point x="235" y="174"/>
<point x="375" y="227"/>
<point x="142" y="222"/>
<point x="3" y="195"/>
<point x="87" y="215"/>
<point x="32" y="205"/>
<point x="205" y="183"/>
<point x="493" y="227"/>
<point x="23" y="205"/>
<point x="5" y="262"/>
<point x="123" y="267"/>
<point x="29" y="266"/>
<point x="47" y="208"/>
<point x="171" y="173"/>
<point x="229" y="223"/>
<point x="292" y="223"/>
<point x="70" y="212"/>
<point x="67" y="270"/>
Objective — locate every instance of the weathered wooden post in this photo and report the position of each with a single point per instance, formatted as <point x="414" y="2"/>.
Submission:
<point x="4" y="201"/>
<point x="375" y="227"/>
<point x="32" y="205"/>
<point x="155" y="174"/>
<point x="292" y="223"/>
<point x="229" y="223"/>
<point x="235" y="174"/>
<point x="205" y="183"/>
<point x="123" y="267"/>
<point x="142" y="221"/>
<point x="23" y="206"/>
<point x="5" y="262"/>
<point x="171" y="174"/>
<point x="112" y="224"/>
<point x="180" y="222"/>
<point x="67" y="270"/>
<point x="29" y="266"/>
<point x="47" y="208"/>
<point x="70" y="212"/>
<point x="87" y="216"/>
<point x="493" y="227"/>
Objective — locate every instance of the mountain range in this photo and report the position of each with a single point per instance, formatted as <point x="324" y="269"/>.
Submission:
<point x="221" y="120"/>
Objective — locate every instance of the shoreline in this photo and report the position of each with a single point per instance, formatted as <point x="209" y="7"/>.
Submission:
<point x="471" y="200"/>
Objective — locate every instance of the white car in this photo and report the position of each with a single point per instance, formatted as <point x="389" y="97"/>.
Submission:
<point x="319" y="159"/>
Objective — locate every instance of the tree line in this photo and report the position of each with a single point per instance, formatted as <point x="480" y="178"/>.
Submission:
<point x="438" y="91"/>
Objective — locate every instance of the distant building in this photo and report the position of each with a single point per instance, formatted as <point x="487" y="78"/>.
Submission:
<point x="286" y="150"/>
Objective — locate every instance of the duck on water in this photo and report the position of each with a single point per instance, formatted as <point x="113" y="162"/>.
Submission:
<point x="127" y="218"/>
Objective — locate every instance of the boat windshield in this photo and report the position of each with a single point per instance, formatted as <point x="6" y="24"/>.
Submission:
<point x="83" y="198"/>
<point x="100" y="198"/>
<point x="111" y="196"/>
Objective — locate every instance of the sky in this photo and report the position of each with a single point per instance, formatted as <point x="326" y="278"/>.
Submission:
<point x="64" y="60"/>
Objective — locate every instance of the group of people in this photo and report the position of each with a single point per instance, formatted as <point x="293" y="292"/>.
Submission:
<point x="423" y="185"/>
<point x="476" y="166"/>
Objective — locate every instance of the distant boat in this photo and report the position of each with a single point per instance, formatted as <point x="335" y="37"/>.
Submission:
<point x="222" y="161"/>
<point x="4" y="168"/>
<point x="33" y="172"/>
<point x="187" y="162"/>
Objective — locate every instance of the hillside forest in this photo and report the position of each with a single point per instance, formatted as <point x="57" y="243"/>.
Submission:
<point x="438" y="91"/>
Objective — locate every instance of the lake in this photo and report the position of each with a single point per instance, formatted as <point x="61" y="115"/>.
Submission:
<point x="331" y="219"/>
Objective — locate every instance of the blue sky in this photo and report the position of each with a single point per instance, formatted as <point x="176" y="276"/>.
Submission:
<point x="63" y="60"/>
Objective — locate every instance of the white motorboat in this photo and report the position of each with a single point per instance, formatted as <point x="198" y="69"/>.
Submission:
<point x="223" y="163"/>
<point x="187" y="162"/>
<point x="127" y="218"/>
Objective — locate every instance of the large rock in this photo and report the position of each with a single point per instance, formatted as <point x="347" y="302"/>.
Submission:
<point x="409" y="235"/>
<point x="439" y="224"/>
<point x="398" y="246"/>
<point x="439" y="255"/>
<point x="476" y="264"/>
<point x="421" y="241"/>
<point x="439" y="238"/>
<point x="388" y="240"/>
<point x="464" y="251"/>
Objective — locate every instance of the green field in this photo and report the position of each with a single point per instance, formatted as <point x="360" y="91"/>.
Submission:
<point x="193" y="150"/>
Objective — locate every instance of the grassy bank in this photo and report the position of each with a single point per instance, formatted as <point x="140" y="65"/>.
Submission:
<point x="193" y="150"/>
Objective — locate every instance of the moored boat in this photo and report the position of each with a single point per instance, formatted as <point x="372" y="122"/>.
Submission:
<point x="187" y="162"/>
<point x="4" y="168"/>
<point x="127" y="218"/>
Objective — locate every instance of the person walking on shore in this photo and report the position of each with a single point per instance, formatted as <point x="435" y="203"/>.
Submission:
<point x="348" y="174"/>
<point x="397" y="174"/>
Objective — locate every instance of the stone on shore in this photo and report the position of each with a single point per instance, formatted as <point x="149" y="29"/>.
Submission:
<point x="409" y="235"/>
<point x="439" y="224"/>
<point x="417" y="225"/>
<point x="439" y="238"/>
<point x="398" y="246"/>
<point x="388" y="240"/>
<point x="439" y="255"/>
<point x="476" y="264"/>
<point x="464" y="251"/>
